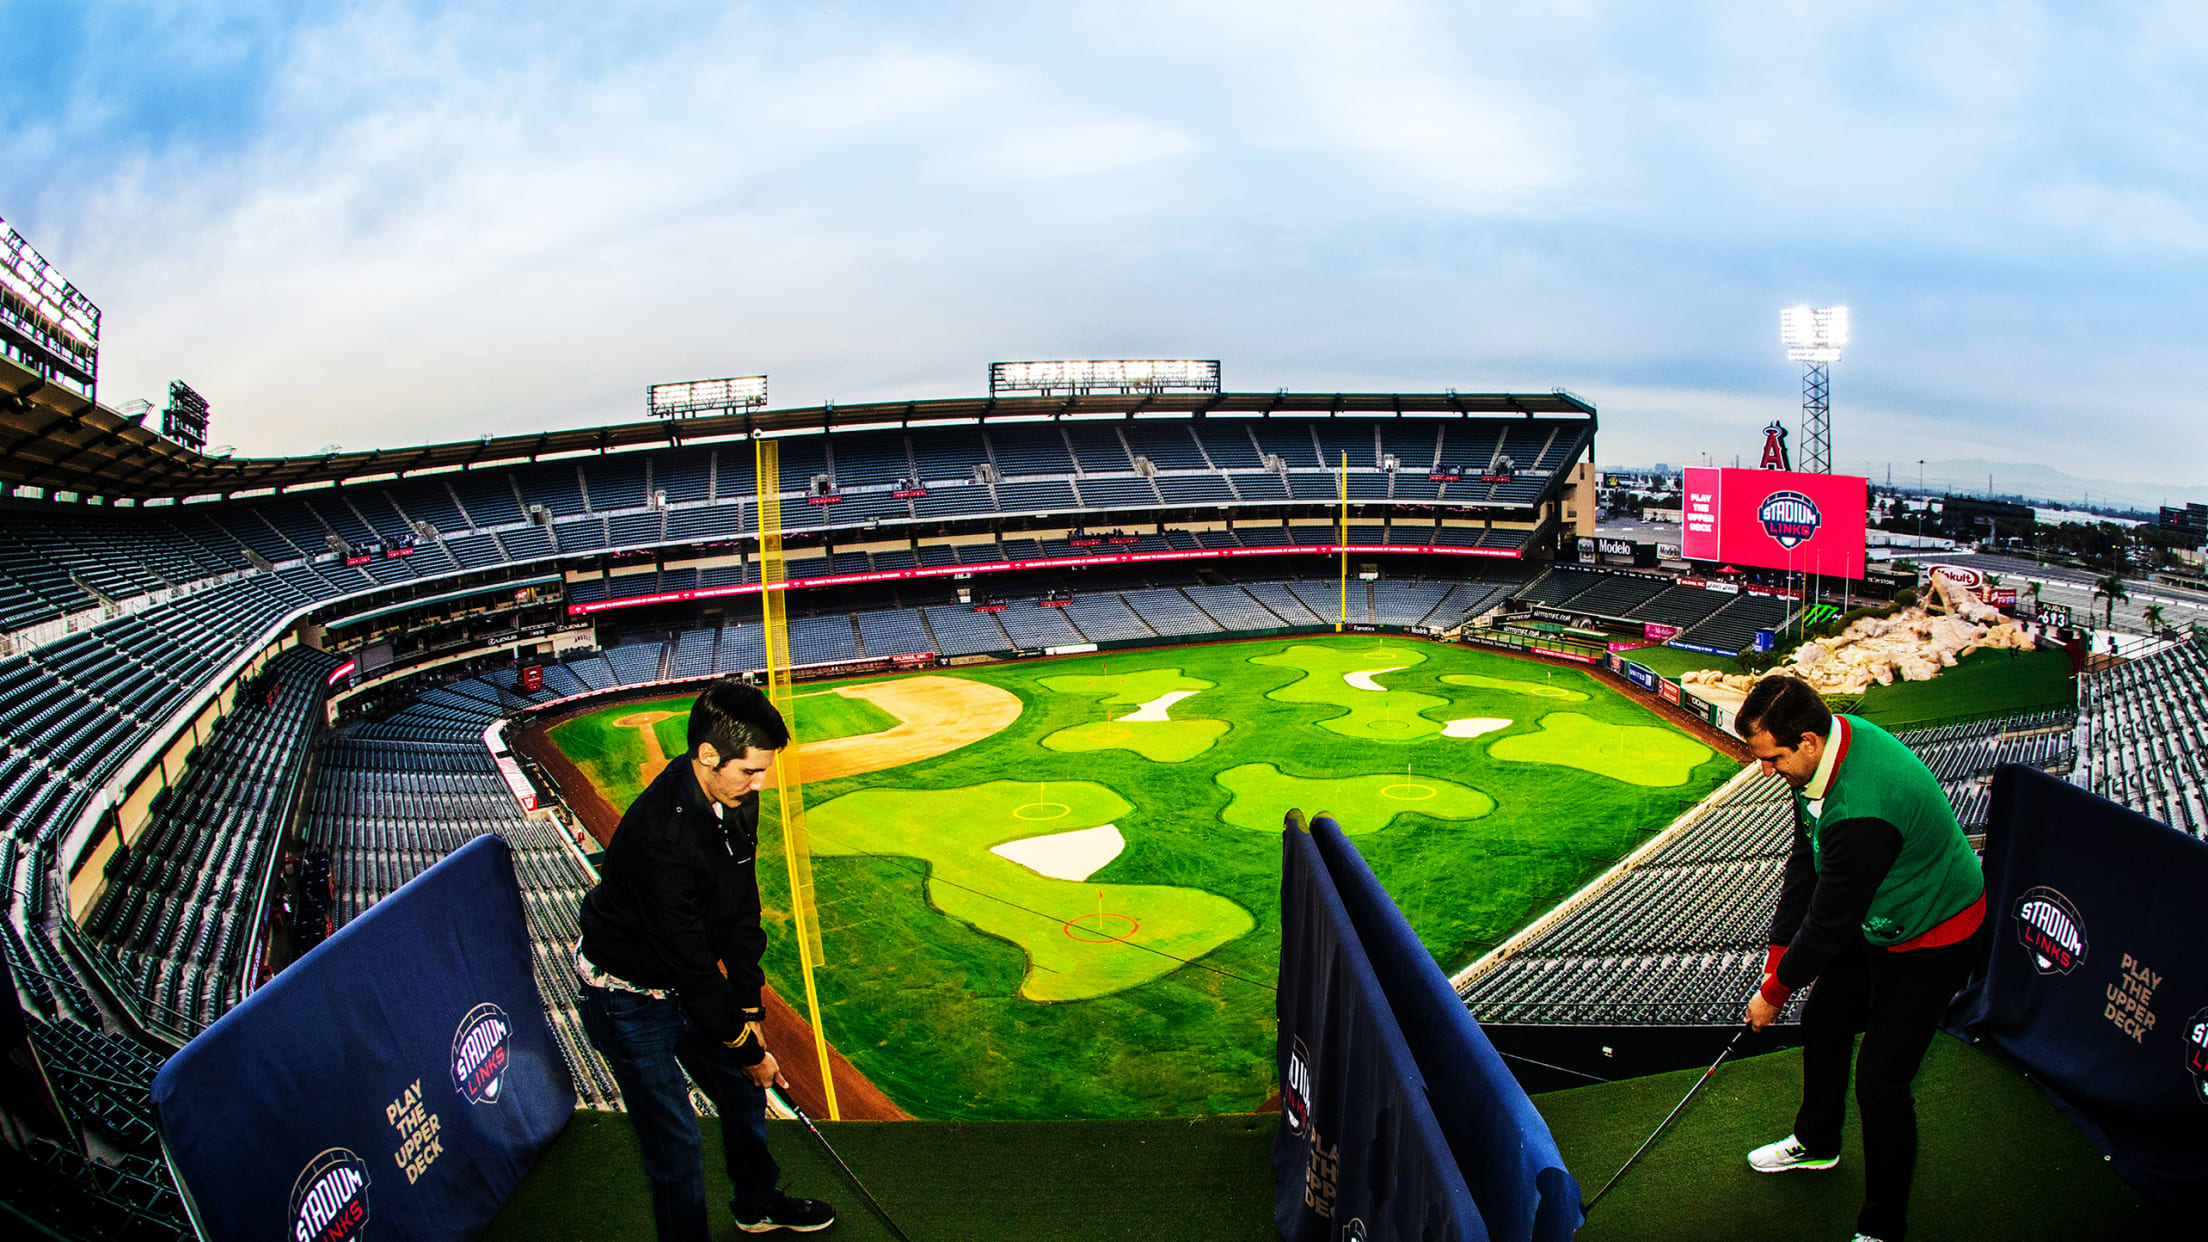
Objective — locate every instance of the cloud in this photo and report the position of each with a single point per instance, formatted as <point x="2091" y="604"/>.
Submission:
<point x="384" y="223"/>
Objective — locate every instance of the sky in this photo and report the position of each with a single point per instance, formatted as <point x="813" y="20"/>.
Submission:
<point x="384" y="224"/>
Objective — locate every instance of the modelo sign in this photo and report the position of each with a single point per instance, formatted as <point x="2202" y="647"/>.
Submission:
<point x="1775" y="519"/>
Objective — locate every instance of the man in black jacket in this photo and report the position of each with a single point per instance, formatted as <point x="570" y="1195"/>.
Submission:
<point x="669" y="962"/>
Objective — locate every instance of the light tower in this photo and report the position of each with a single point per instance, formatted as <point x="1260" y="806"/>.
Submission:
<point x="1814" y="337"/>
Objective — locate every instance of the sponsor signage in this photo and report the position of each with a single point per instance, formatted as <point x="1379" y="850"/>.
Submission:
<point x="965" y="571"/>
<point x="1766" y="640"/>
<point x="1613" y="547"/>
<point x="1775" y="519"/>
<point x="1965" y="576"/>
<point x="1054" y="603"/>
<point x="532" y="678"/>
<point x="2057" y="615"/>
<point x="1668" y="691"/>
<point x="1121" y="541"/>
<point x="2000" y="597"/>
<point x="908" y="493"/>
<point x="824" y="500"/>
<point x="1657" y="631"/>
<point x="359" y="556"/>
<point x="913" y="659"/>
<point x="1774" y="592"/>
<point x="989" y="607"/>
<point x="2051" y="930"/>
<point x="1442" y="476"/>
<point x="1640" y="676"/>
<point x="1085" y="543"/>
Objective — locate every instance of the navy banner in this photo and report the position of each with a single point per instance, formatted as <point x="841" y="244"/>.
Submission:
<point x="1359" y="1154"/>
<point x="395" y="1082"/>
<point x="1502" y="1146"/>
<point x="2096" y="982"/>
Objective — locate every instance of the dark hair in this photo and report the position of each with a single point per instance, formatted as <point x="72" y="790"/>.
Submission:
<point x="1784" y="707"/>
<point x="735" y="718"/>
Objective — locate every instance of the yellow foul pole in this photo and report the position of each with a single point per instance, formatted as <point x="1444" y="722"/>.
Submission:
<point x="789" y="778"/>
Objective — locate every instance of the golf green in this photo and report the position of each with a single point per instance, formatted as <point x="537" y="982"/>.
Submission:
<point x="971" y="970"/>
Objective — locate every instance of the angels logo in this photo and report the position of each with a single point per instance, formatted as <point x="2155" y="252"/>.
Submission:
<point x="1295" y="1094"/>
<point x="2196" y="1053"/>
<point x="480" y="1054"/>
<point x="1774" y="447"/>
<point x="1789" y="517"/>
<point x="2050" y="928"/>
<point x="329" y="1201"/>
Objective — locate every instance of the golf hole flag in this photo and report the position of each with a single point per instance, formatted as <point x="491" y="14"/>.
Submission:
<point x="1398" y="1118"/>
<point x="395" y="1082"/>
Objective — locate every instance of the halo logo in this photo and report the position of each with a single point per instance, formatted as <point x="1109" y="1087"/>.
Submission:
<point x="1295" y="1094"/>
<point x="2196" y="1053"/>
<point x="329" y="1201"/>
<point x="480" y="1054"/>
<point x="2051" y="929"/>
<point x="1789" y="517"/>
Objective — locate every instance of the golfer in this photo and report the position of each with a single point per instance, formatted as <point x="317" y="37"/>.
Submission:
<point x="669" y="960"/>
<point x="1880" y="907"/>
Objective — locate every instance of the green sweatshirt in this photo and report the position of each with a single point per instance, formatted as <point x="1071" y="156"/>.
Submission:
<point x="1936" y="875"/>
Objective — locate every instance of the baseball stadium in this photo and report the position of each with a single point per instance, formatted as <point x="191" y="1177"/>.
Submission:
<point x="1057" y="663"/>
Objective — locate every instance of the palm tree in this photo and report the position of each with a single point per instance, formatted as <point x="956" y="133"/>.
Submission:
<point x="2153" y="615"/>
<point x="2111" y="588"/>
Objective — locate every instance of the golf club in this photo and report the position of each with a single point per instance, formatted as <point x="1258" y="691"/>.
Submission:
<point x="1589" y="1206"/>
<point x="872" y="1202"/>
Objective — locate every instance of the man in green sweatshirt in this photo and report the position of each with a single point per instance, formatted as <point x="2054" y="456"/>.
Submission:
<point x="1880" y="906"/>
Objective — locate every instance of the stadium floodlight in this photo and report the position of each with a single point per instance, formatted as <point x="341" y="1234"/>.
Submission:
<point x="1814" y="337"/>
<point x="692" y="398"/>
<point x="185" y="419"/>
<point x="45" y="324"/>
<point x="1123" y="375"/>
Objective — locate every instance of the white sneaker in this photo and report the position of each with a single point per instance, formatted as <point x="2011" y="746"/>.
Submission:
<point x="1864" y="1237"/>
<point x="1787" y="1156"/>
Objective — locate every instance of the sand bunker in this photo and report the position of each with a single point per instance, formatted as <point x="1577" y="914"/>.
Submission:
<point x="1155" y="710"/>
<point x="1363" y="679"/>
<point x="1474" y="726"/>
<point x="1065" y="855"/>
<point x="935" y="715"/>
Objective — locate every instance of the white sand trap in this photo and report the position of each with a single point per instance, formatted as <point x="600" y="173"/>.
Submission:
<point x="1363" y="680"/>
<point x="1473" y="727"/>
<point x="1155" y="709"/>
<point x="1065" y="855"/>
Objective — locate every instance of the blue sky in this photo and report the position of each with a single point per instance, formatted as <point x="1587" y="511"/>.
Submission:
<point x="382" y="224"/>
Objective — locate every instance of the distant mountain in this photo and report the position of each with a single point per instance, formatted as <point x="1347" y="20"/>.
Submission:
<point x="2028" y="481"/>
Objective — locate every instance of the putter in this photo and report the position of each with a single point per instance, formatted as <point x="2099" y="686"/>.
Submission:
<point x="872" y="1202"/>
<point x="1589" y="1206"/>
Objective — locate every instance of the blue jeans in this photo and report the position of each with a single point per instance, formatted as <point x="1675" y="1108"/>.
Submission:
<point x="647" y="1044"/>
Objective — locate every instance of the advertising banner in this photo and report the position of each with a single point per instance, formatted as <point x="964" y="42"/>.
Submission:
<point x="1501" y="1143"/>
<point x="395" y="1082"/>
<point x="1359" y="1153"/>
<point x="1640" y="676"/>
<point x="2095" y="982"/>
<point x="1775" y="519"/>
<point x="1657" y="631"/>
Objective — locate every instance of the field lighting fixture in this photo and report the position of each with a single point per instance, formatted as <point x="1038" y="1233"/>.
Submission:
<point x="1121" y="375"/>
<point x="693" y="398"/>
<point x="45" y="324"/>
<point x="1814" y="337"/>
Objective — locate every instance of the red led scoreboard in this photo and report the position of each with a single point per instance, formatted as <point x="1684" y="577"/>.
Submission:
<point x="1775" y="519"/>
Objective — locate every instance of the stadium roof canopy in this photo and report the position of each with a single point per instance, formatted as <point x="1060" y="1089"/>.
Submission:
<point x="56" y="440"/>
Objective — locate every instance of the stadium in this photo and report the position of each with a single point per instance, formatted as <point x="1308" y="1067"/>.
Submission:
<point x="1298" y="791"/>
<point x="250" y="699"/>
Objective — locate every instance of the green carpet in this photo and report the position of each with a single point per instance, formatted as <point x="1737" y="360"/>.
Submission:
<point x="1094" y="1181"/>
<point x="1995" y="1160"/>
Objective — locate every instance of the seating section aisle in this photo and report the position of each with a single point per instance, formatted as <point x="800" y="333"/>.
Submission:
<point x="176" y="920"/>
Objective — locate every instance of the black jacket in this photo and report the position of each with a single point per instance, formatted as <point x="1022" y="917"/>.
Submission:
<point x="678" y="897"/>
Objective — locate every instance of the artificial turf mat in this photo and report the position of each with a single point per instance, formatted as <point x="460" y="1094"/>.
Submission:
<point x="1996" y="1161"/>
<point x="1994" y="1158"/>
<point x="1154" y="1179"/>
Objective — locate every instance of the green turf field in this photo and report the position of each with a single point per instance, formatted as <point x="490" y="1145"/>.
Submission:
<point x="991" y="952"/>
<point x="1672" y="661"/>
<point x="1984" y="683"/>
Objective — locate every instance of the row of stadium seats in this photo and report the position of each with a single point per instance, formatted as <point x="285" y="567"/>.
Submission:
<point x="2142" y="736"/>
<point x="68" y="559"/>
<point x="1679" y="937"/>
<point x="1717" y="620"/>
<point x="175" y="918"/>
